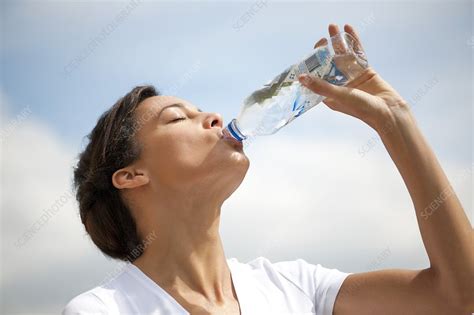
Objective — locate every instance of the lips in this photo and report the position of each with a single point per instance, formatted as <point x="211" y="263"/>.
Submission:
<point x="228" y="138"/>
<point x="234" y="142"/>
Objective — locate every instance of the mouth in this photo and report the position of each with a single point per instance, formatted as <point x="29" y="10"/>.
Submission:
<point x="231" y="140"/>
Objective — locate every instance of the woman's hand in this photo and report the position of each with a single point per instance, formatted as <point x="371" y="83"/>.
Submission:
<point x="368" y="97"/>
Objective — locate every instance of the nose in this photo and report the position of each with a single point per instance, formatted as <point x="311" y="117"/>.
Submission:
<point x="213" y="120"/>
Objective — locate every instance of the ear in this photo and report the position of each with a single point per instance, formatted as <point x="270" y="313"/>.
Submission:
<point x="129" y="177"/>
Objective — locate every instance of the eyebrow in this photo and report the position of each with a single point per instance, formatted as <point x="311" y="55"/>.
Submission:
<point x="174" y="105"/>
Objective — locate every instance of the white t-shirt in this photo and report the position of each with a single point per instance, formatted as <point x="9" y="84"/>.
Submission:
<point x="262" y="287"/>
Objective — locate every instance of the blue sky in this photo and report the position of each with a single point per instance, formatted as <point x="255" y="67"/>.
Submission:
<point x="214" y="54"/>
<point x="156" y="43"/>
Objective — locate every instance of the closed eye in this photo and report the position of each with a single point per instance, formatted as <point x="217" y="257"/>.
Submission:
<point x="178" y="119"/>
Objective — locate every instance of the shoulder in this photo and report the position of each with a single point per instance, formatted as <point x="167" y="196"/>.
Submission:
<point x="85" y="303"/>
<point x="105" y="298"/>
<point x="290" y="268"/>
<point x="301" y="271"/>
<point x="320" y="284"/>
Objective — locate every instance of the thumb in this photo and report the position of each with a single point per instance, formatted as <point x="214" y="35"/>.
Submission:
<point x="347" y="100"/>
<point x="324" y="88"/>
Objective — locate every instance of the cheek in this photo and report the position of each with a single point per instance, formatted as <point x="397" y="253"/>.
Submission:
<point x="189" y="155"/>
<point x="179" y="156"/>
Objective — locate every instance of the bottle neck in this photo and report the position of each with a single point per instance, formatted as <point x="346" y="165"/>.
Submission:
<point x="234" y="131"/>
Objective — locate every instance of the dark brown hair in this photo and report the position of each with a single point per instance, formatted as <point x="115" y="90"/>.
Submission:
<point x="112" y="145"/>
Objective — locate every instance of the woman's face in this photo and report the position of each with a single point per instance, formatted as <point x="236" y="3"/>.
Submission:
<point x="183" y="148"/>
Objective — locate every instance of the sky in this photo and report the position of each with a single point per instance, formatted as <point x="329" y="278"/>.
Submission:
<point x="323" y="188"/>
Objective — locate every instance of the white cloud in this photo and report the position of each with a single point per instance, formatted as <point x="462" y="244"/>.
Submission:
<point x="323" y="201"/>
<point x="52" y="264"/>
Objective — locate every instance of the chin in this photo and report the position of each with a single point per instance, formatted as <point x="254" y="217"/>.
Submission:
<point x="240" y="160"/>
<point x="240" y="167"/>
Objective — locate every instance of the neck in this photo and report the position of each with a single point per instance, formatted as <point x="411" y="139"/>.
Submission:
<point x="187" y="254"/>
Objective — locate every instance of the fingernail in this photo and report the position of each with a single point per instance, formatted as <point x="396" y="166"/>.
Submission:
<point x="304" y="78"/>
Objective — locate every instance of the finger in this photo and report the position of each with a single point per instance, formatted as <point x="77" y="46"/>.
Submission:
<point x="336" y="40"/>
<point x="322" y="87"/>
<point x="333" y="29"/>
<point x="357" y="42"/>
<point x="354" y="102"/>
<point x="335" y="105"/>
<point x="340" y="94"/>
<point x="349" y="29"/>
<point x="321" y="42"/>
<point x="331" y="103"/>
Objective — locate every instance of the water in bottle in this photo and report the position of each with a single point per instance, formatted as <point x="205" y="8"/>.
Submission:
<point x="282" y="99"/>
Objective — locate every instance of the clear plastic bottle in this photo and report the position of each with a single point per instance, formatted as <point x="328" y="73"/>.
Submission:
<point x="282" y="99"/>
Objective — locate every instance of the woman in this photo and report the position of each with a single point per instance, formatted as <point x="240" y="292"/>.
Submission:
<point x="153" y="178"/>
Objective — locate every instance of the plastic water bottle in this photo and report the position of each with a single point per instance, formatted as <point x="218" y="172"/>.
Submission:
<point x="282" y="99"/>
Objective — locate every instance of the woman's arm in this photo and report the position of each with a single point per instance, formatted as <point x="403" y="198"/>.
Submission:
<point x="447" y="285"/>
<point x="444" y="226"/>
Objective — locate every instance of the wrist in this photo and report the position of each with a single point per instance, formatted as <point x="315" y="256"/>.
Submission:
<point x="400" y="136"/>
<point x="396" y="117"/>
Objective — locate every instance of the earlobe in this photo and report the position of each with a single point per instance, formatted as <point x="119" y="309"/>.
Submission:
<point x="129" y="178"/>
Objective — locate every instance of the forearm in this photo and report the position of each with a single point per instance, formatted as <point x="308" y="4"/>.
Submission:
<point x="445" y="228"/>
